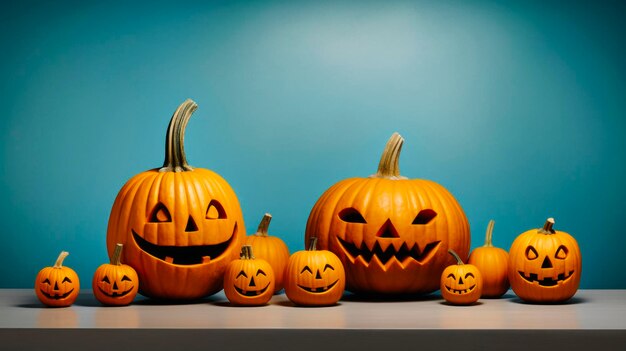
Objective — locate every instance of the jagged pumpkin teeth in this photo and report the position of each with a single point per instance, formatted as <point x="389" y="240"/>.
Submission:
<point x="206" y="259"/>
<point x="169" y="259"/>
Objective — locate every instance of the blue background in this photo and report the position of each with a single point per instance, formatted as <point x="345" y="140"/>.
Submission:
<point x="517" y="108"/>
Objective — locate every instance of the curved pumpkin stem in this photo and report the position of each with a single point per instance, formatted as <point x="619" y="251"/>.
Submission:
<point x="246" y="252"/>
<point x="175" y="158"/>
<point x="459" y="261"/>
<point x="389" y="167"/>
<point x="547" y="227"/>
<point x="312" y="244"/>
<point x="117" y="255"/>
<point x="489" y="234"/>
<point x="264" y="225"/>
<point x="59" y="261"/>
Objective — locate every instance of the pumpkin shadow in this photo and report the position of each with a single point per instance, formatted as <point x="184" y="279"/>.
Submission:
<point x="364" y="297"/>
<point x="446" y="303"/>
<point x="572" y="301"/>
<point x="146" y="301"/>
<point x="228" y="304"/>
<point x="291" y="304"/>
<point x="36" y="305"/>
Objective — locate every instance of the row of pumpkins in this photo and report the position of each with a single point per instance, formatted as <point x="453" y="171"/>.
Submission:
<point x="181" y="227"/>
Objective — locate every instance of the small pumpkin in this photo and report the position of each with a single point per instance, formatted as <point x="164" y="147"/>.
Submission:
<point x="545" y="265"/>
<point x="249" y="281"/>
<point x="57" y="286"/>
<point x="180" y="226"/>
<point x="391" y="233"/>
<point x="314" y="277"/>
<point x="115" y="284"/>
<point x="271" y="249"/>
<point x="492" y="262"/>
<point x="461" y="284"/>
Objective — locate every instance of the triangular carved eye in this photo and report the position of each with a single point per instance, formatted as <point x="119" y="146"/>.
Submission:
<point x="424" y="217"/>
<point x="351" y="215"/>
<point x="561" y="252"/>
<point x="215" y="210"/>
<point x="160" y="214"/>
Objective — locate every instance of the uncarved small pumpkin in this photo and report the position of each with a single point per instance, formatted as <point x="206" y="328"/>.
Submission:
<point x="57" y="286"/>
<point x="271" y="249"/>
<point x="461" y="284"/>
<point x="115" y="284"/>
<point x="492" y="262"/>
<point x="249" y="281"/>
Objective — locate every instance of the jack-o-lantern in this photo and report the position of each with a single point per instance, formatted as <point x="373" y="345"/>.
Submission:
<point x="270" y="249"/>
<point x="115" y="284"/>
<point x="461" y="284"/>
<point x="391" y="233"/>
<point x="314" y="277"/>
<point x="249" y="281"/>
<point x="180" y="226"/>
<point x="545" y="265"/>
<point x="57" y="286"/>
<point x="492" y="262"/>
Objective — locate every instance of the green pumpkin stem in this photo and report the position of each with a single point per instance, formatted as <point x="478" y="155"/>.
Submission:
<point x="547" y="227"/>
<point x="264" y="225"/>
<point x="389" y="167"/>
<point x="175" y="158"/>
<point x="59" y="261"/>
<point x="312" y="244"/>
<point x="459" y="261"/>
<point x="489" y="234"/>
<point x="246" y="252"/>
<point x="117" y="255"/>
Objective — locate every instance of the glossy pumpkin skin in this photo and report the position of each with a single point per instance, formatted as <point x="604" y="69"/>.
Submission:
<point x="461" y="284"/>
<point x="492" y="262"/>
<point x="314" y="277"/>
<point x="391" y="233"/>
<point x="180" y="226"/>
<point x="545" y="265"/>
<point x="115" y="284"/>
<point x="249" y="281"/>
<point x="57" y="286"/>
<point x="271" y="249"/>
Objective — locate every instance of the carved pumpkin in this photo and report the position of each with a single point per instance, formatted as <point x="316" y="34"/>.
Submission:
<point x="270" y="249"/>
<point x="545" y="265"/>
<point x="249" y="281"/>
<point x="57" y="286"/>
<point x="314" y="277"/>
<point x="391" y="233"/>
<point x="461" y="284"/>
<point x="492" y="262"/>
<point x="180" y="226"/>
<point x="115" y="284"/>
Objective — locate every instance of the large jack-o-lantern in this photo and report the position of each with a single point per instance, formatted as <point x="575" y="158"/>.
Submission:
<point x="391" y="233"/>
<point x="180" y="226"/>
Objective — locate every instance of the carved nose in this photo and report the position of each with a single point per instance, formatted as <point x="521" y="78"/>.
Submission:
<point x="191" y="225"/>
<point x="460" y="280"/>
<point x="318" y="275"/>
<point x="387" y="231"/>
<point x="56" y="286"/>
<point x="114" y="285"/>
<point x="546" y="263"/>
<point x="252" y="282"/>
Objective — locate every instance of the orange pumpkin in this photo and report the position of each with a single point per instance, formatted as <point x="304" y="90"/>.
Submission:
<point x="115" y="284"/>
<point x="270" y="249"/>
<point x="391" y="233"/>
<point x="461" y="284"/>
<point x="180" y="226"/>
<point x="249" y="281"/>
<point x="492" y="262"/>
<point x="314" y="277"/>
<point x="57" y="286"/>
<point x="545" y="265"/>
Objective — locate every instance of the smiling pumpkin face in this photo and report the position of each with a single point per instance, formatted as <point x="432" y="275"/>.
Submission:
<point x="249" y="281"/>
<point x="391" y="233"/>
<point x="545" y="265"/>
<point x="461" y="284"/>
<point x="180" y="226"/>
<point x="57" y="286"/>
<point x="115" y="284"/>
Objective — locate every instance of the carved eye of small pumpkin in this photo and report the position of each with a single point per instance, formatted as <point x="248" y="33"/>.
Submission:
<point x="469" y="275"/>
<point x="160" y="214"/>
<point x="561" y="252"/>
<point x="215" y="210"/>
<point x="424" y="217"/>
<point x="240" y="274"/>
<point x="327" y="266"/>
<point x="47" y="281"/>
<point x="531" y="253"/>
<point x="306" y="268"/>
<point x="106" y="280"/>
<point x="66" y="280"/>
<point x="351" y="215"/>
<point x="260" y="272"/>
<point x="451" y="276"/>
<point x="126" y="278"/>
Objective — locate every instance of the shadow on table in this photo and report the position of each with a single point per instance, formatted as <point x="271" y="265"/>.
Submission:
<point x="361" y="297"/>
<point x="573" y="301"/>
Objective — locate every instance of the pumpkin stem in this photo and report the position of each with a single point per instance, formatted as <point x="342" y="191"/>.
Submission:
<point x="488" y="236"/>
<point x="389" y="167"/>
<point x="459" y="261"/>
<point x="547" y="227"/>
<point x="312" y="244"/>
<point x="175" y="158"/>
<point x="62" y="256"/>
<point x="117" y="255"/>
<point x="264" y="225"/>
<point x="246" y="252"/>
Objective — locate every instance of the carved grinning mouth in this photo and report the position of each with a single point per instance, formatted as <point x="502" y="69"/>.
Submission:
<point x="318" y="290"/>
<point x="251" y="292"/>
<point x="547" y="281"/>
<point x="116" y="294"/>
<point x="184" y="255"/>
<point x="56" y="297"/>
<point x="460" y="291"/>
<point x="401" y="255"/>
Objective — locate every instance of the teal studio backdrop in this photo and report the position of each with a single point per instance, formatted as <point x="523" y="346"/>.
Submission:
<point x="518" y="108"/>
